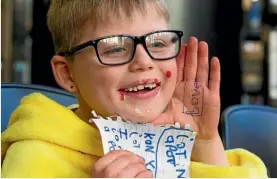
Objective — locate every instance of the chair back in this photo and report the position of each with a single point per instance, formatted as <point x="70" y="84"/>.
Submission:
<point x="11" y="94"/>
<point x="253" y="128"/>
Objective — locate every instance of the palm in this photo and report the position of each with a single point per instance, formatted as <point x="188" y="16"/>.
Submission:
<point x="201" y="111"/>
<point x="196" y="99"/>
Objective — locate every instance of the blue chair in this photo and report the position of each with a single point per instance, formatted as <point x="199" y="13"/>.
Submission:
<point x="253" y="128"/>
<point x="11" y="93"/>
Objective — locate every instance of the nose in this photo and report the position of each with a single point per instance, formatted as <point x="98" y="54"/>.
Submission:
<point x="141" y="61"/>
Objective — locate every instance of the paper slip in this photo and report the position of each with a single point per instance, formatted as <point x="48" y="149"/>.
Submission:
<point x="165" y="149"/>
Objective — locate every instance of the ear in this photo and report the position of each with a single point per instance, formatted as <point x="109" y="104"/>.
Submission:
<point x="62" y="73"/>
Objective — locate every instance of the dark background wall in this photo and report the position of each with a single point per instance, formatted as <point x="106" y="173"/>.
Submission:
<point x="219" y="23"/>
<point x="229" y="18"/>
<point x="42" y="48"/>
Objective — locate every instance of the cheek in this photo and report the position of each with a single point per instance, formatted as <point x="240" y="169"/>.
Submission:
<point x="98" y="88"/>
<point x="170" y="70"/>
<point x="94" y="80"/>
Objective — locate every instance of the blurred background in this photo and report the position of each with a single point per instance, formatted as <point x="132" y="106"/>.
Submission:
<point x="242" y="33"/>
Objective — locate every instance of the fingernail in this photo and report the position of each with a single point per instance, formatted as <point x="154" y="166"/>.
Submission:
<point x="193" y="39"/>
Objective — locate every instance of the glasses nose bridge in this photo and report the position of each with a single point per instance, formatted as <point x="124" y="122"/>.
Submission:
<point x="140" y="40"/>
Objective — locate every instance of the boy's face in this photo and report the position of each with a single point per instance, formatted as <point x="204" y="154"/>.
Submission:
<point x="106" y="89"/>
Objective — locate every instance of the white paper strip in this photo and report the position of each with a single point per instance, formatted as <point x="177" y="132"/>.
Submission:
<point x="165" y="149"/>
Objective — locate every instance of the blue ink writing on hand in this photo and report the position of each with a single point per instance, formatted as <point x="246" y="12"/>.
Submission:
<point x="196" y="100"/>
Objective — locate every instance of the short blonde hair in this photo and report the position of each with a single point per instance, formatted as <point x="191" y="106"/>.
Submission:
<point x="67" y="18"/>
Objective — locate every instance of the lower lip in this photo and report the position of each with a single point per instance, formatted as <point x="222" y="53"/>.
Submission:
<point x="142" y="94"/>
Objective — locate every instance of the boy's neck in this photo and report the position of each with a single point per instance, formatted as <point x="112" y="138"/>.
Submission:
<point x="84" y="116"/>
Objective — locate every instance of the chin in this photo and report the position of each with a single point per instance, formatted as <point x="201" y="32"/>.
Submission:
<point x="141" y="118"/>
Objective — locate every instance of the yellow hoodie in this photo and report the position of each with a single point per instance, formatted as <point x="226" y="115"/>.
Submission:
<point x="45" y="139"/>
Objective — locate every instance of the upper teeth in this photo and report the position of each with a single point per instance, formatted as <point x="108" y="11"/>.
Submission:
<point x="141" y="87"/>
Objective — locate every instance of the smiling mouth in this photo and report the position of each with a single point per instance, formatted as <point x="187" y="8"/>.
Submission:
<point x="149" y="88"/>
<point x="138" y="88"/>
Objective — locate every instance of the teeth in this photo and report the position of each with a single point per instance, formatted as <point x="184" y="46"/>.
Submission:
<point x="141" y="87"/>
<point x="148" y="86"/>
<point x="154" y="85"/>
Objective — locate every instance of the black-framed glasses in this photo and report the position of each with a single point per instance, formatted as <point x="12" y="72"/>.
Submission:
<point x="120" y="49"/>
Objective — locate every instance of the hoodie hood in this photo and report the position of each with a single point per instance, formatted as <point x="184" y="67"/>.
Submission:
<point x="40" y="118"/>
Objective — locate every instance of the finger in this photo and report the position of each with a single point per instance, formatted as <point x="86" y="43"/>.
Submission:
<point x="214" y="82"/>
<point x="180" y="59"/>
<point x="132" y="170"/>
<point x="191" y="60"/>
<point x="203" y="64"/>
<point x="145" y="174"/>
<point x="118" y="165"/>
<point x="104" y="161"/>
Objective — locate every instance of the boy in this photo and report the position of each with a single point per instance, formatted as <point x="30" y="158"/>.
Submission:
<point x="119" y="58"/>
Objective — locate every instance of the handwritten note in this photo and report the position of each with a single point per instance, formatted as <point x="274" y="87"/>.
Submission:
<point x="165" y="149"/>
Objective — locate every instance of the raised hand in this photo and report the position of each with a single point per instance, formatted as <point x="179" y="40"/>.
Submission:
<point x="196" y="100"/>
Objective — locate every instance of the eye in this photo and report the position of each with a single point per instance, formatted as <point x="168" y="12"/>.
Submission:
<point x="174" y="39"/>
<point x="156" y="45"/>
<point x="114" y="50"/>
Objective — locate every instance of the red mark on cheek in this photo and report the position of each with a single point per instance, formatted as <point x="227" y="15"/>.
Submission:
<point x="168" y="74"/>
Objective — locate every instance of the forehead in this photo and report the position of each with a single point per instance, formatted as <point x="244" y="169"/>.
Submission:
<point x="138" y="24"/>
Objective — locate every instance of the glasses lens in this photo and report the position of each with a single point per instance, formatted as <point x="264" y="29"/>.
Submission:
<point x="162" y="45"/>
<point x="115" y="50"/>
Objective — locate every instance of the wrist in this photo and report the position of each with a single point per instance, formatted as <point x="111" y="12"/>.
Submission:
<point x="200" y="141"/>
<point x="202" y="146"/>
<point x="209" y="151"/>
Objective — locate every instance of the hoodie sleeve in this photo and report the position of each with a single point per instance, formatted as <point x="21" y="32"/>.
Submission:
<point x="38" y="159"/>
<point x="243" y="164"/>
